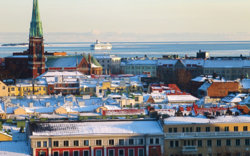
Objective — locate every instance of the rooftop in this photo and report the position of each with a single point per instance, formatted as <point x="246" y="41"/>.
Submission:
<point x="203" y="120"/>
<point x="96" y="128"/>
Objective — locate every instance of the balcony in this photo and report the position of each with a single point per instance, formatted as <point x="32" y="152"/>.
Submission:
<point x="189" y="149"/>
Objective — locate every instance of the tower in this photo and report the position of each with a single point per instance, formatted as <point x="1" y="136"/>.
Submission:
<point x="36" y="58"/>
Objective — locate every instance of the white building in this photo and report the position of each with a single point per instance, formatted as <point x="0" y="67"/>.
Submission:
<point x="110" y="63"/>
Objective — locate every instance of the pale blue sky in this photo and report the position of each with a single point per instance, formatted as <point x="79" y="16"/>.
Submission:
<point x="144" y="17"/>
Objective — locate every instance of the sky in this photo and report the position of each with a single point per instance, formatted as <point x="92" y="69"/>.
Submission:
<point x="129" y="20"/>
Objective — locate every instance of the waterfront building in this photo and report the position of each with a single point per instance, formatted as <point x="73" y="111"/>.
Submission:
<point x="229" y="69"/>
<point x="110" y="64"/>
<point x="139" y="67"/>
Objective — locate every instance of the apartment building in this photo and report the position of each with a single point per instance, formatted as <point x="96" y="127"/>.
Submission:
<point x="106" y="138"/>
<point x="110" y="64"/>
<point x="199" y="136"/>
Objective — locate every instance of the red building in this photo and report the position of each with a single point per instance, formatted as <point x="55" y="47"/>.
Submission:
<point x="106" y="138"/>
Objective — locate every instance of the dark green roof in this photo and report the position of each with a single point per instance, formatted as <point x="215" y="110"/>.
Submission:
<point x="68" y="61"/>
<point x="36" y="29"/>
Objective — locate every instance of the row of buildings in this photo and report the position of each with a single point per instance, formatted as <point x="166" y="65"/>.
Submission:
<point x="181" y="71"/>
<point x="182" y="136"/>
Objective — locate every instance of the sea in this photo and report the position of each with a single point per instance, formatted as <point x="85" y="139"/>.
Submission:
<point x="151" y="49"/>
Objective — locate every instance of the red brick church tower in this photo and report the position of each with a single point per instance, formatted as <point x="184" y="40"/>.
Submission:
<point x="36" y="58"/>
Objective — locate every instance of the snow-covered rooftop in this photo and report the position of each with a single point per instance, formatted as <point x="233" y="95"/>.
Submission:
<point x="96" y="128"/>
<point x="203" y="120"/>
<point x="181" y="98"/>
<point x="245" y="83"/>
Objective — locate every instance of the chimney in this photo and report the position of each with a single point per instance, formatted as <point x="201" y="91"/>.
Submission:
<point x="47" y="104"/>
<point x="89" y="58"/>
<point x="31" y="104"/>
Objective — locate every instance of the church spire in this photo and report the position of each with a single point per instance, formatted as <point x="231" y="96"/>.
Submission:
<point x="36" y="29"/>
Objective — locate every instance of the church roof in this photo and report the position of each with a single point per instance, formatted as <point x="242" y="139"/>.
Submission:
<point x="69" y="61"/>
<point x="36" y="29"/>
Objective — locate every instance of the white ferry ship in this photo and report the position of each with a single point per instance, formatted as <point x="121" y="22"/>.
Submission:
<point x="100" y="46"/>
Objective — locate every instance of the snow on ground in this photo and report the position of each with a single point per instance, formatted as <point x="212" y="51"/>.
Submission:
<point x="14" y="148"/>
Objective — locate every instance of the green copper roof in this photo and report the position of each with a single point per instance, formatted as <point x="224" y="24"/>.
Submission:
<point x="36" y="29"/>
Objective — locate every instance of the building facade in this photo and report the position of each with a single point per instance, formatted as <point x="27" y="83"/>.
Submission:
<point x="121" y="138"/>
<point x="111" y="64"/>
<point x="222" y="136"/>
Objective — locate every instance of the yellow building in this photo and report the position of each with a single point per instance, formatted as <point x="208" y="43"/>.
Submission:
<point x="27" y="89"/>
<point x="113" y="87"/>
<point x="64" y="110"/>
<point x="224" y="135"/>
<point x="20" y="111"/>
<point x="5" y="137"/>
<point x="3" y="89"/>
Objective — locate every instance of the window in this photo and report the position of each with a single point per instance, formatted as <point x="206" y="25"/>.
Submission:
<point x="120" y="152"/>
<point x="121" y="142"/>
<point x="170" y="130"/>
<point x="217" y="129"/>
<point x="218" y="142"/>
<point x="98" y="142"/>
<point x="207" y="129"/>
<point x="151" y="141"/>
<point x="141" y="141"/>
<point x="247" y="142"/>
<point x="86" y="142"/>
<point x="76" y="143"/>
<point x="42" y="153"/>
<point x="65" y="153"/>
<point x="85" y="153"/>
<point x="175" y="130"/>
<point x="228" y="142"/>
<point x="56" y="153"/>
<point x="66" y="143"/>
<point x="131" y="141"/>
<point x="191" y="129"/>
<point x="198" y="129"/>
<point x="237" y="142"/>
<point x="245" y="128"/>
<point x="76" y="153"/>
<point x="157" y="141"/>
<point x="171" y="143"/>
<point x="131" y="152"/>
<point x="141" y="152"/>
<point x="111" y="142"/>
<point x="226" y="129"/>
<point x="176" y="143"/>
<point x="98" y="152"/>
<point x="38" y="144"/>
<point x="209" y="143"/>
<point x="55" y="143"/>
<point x="236" y="128"/>
<point x="199" y="143"/>
<point x="44" y="143"/>
<point x="111" y="152"/>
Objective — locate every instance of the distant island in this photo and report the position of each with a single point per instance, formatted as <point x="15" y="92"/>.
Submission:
<point x="14" y="44"/>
